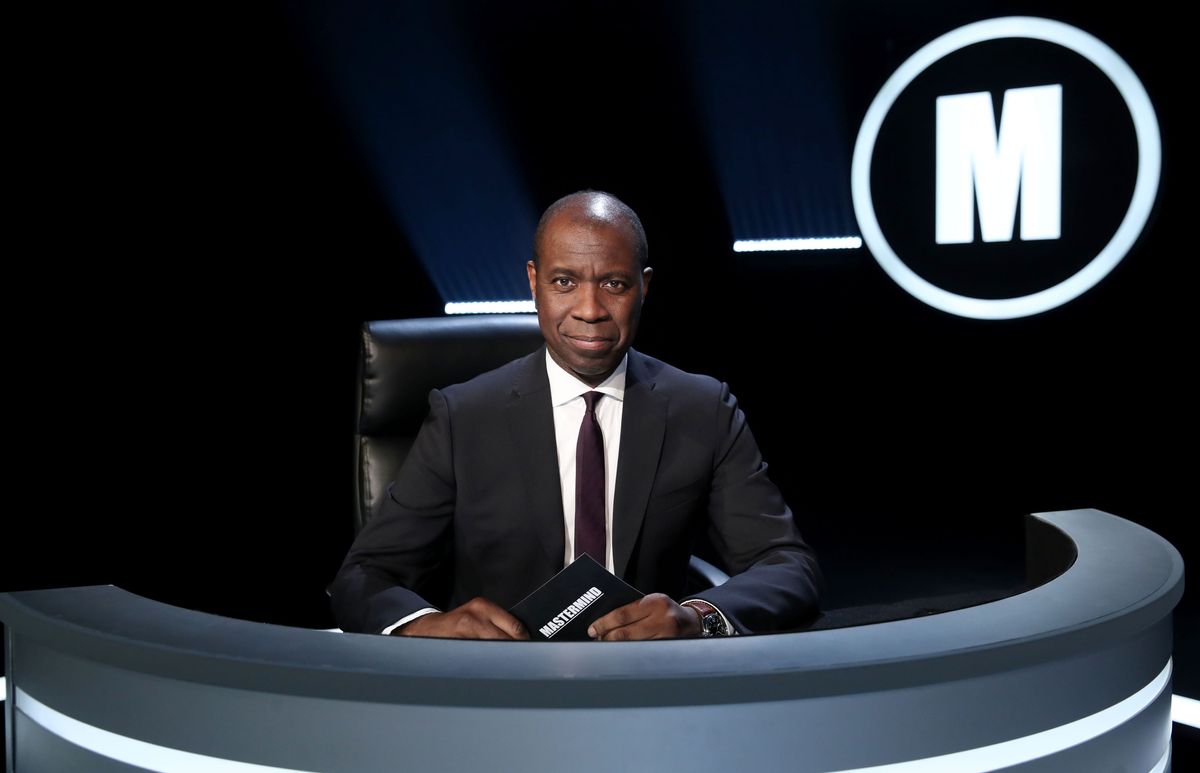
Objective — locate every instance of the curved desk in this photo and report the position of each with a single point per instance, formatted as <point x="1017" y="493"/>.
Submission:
<point x="1072" y="675"/>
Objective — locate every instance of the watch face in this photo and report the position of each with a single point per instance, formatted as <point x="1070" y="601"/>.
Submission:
<point x="713" y="625"/>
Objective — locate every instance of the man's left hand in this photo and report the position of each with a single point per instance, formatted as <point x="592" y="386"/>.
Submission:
<point x="654" y="616"/>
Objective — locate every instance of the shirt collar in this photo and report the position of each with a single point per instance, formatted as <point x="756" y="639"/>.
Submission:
<point x="565" y="387"/>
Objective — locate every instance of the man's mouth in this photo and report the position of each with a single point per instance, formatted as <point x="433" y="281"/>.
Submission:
<point x="590" y="342"/>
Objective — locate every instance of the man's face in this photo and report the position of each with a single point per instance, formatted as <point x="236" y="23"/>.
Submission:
<point x="588" y="289"/>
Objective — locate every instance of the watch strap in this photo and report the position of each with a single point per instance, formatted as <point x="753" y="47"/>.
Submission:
<point x="712" y="622"/>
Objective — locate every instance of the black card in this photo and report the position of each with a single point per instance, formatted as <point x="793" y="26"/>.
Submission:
<point x="570" y="601"/>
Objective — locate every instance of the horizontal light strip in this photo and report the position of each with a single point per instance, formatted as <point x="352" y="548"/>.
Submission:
<point x="1185" y="711"/>
<point x="129" y="750"/>
<point x="490" y="307"/>
<point x="797" y="245"/>
<point x="1031" y="747"/>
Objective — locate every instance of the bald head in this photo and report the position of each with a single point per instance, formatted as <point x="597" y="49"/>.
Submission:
<point x="595" y="209"/>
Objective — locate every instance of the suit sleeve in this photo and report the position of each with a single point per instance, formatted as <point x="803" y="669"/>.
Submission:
<point x="408" y="543"/>
<point x="775" y="580"/>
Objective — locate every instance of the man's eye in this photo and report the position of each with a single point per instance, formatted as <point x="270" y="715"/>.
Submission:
<point x="561" y="281"/>
<point x="615" y="284"/>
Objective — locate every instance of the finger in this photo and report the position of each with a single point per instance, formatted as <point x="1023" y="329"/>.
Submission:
<point x="488" y="630"/>
<point x="619" y="617"/>
<point x="602" y="626"/>
<point x="657" y="618"/>
<point x="512" y="627"/>
<point x="487" y="616"/>
<point x="649" y="627"/>
<point x="472" y="625"/>
<point x="614" y="619"/>
<point x="653" y="626"/>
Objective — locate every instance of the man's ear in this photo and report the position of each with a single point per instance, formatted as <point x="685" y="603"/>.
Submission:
<point x="647" y="274"/>
<point x="532" y="271"/>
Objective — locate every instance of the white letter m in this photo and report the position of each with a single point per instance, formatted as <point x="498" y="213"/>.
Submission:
<point x="973" y="162"/>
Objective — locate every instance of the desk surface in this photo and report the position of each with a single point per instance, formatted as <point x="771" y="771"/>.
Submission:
<point x="1100" y="631"/>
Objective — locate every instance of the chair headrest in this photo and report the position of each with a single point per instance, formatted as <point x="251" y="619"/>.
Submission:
<point x="403" y="359"/>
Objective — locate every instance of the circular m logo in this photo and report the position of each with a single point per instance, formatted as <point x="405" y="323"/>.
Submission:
<point x="1006" y="168"/>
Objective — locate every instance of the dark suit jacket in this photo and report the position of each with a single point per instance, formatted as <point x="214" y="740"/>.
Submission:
<point x="476" y="510"/>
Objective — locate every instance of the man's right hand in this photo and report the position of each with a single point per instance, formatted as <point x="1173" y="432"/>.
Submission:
<point x="477" y="619"/>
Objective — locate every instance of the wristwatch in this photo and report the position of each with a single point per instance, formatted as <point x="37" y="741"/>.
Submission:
<point x="711" y="622"/>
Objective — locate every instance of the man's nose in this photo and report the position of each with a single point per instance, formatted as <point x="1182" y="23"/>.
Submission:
<point x="590" y="306"/>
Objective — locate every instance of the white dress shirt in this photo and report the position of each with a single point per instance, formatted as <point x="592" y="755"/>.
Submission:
<point x="566" y="397"/>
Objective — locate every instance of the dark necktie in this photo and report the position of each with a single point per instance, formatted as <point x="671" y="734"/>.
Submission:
<point x="589" y="484"/>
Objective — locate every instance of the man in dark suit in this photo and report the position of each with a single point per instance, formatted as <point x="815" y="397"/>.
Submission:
<point x="644" y="457"/>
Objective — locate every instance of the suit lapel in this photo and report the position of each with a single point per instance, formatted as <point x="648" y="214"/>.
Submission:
<point x="643" y="423"/>
<point x="531" y="422"/>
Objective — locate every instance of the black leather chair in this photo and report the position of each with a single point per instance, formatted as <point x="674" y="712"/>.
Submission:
<point x="401" y="361"/>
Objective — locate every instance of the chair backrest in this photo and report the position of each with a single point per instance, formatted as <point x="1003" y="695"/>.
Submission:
<point x="400" y="362"/>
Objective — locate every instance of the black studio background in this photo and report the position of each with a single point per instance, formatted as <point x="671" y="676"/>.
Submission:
<point x="198" y="238"/>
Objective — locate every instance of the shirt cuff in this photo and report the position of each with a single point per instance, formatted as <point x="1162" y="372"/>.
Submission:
<point x="728" y="627"/>
<point x="407" y="619"/>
